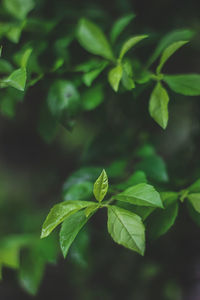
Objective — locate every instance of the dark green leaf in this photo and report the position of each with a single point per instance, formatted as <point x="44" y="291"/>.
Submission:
<point x="92" y="97"/>
<point x="93" y="39"/>
<point x="141" y="194"/>
<point x="119" y="26"/>
<point x="101" y="186"/>
<point x="90" y="76"/>
<point x="18" y="8"/>
<point x="186" y="84"/>
<point x="126" y="228"/>
<point x="82" y="191"/>
<point x="136" y="178"/>
<point x="70" y="228"/>
<point x="158" y="105"/>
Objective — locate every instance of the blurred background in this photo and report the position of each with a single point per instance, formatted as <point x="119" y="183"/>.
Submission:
<point x="37" y="156"/>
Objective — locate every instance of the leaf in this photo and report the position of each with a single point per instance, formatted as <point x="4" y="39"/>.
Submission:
<point x="17" y="79"/>
<point x="127" y="77"/>
<point x="195" y="201"/>
<point x="141" y="194"/>
<point x="168" y="39"/>
<point x="119" y="26"/>
<point x="93" y="39"/>
<point x="158" y="105"/>
<point x="70" y="229"/>
<point x="160" y="221"/>
<point x="90" y="76"/>
<point x="169" y="51"/>
<point x="25" y="57"/>
<point x="114" y="77"/>
<point x="92" y="97"/>
<point x="64" y="101"/>
<point x="136" y="178"/>
<point x="82" y="191"/>
<point x="186" y="84"/>
<point x="60" y="212"/>
<point x="154" y="168"/>
<point x="195" y="187"/>
<point x="18" y="8"/>
<point x="5" y="67"/>
<point x="130" y="43"/>
<point x="101" y="186"/>
<point x="169" y="198"/>
<point x="126" y="228"/>
<point x="91" y="209"/>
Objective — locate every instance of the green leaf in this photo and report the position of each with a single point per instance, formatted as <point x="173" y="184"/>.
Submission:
<point x="119" y="26"/>
<point x="70" y="229"/>
<point x="90" y="76"/>
<point x="168" y="52"/>
<point x="160" y="221"/>
<point x="18" y="8"/>
<point x="25" y="57"/>
<point x="101" y="186"/>
<point x="130" y="43"/>
<point x="17" y="79"/>
<point x="92" y="97"/>
<point x="158" y="105"/>
<point x="186" y="84"/>
<point x="136" y="178"/>
<point x="126" y="228"/>
<point x="60" y="212"/>
<point x="91" y="209"/>
<point x="168" y="39"/>
<point x="64" y="101"/>
<point x="195" y="201"/>
<point x="195" y="187"/>
<point x="93" y="39"/>
<point x="114" y="77"/>
<point x="5" y="67"/>
<point x="82" y="191"/>
<point x="169" y="198"/>
<point x="141" y="194"/>
<point x="127" y="77"/>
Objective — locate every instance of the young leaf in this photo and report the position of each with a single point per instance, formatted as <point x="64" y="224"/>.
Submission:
<point x="186" y="84"/>
<point x="195" y="201"/>
<point x="130" y="43"/>
<point x="93" y="39"/>
<point x="158" y="105"/>
<point x="114" y="77"/>
<point x="141" y="194"/>
<point x="127" y="77"/>
<point x="101" y="186"/>
<point x="169" y="51"/>
<point x="17" y="79"/>
<point x="119" y="26"/>
<point x="195" y="187"/>
<point x="160" y="221"/>
<point x="168" y="39"/>
<point x="126" y="228"/>
<point x="60" y="212"/>
<point x="70" y="228"/>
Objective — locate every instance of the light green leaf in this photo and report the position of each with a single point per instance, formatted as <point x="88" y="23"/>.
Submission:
<point x="119" y="26"/>
<point x="18" y="8"/>
<point x="158" y="105"/>
<point x="91" y="209"/>
<point x="141" y="194"/>
<point x="114" y="77"/>
<point x="92" y="97"/>
<point x="127" y="77"/>
<point x="195" y="201"/>
<point x="126" y="228"/>
<point x="25" y="57"/>
<point x="17" y="79"/>
<point x="168" y="39"/>
<point x="186" y="84"/>
<point x="101" y="186"/>
<point x="93" y="39"/>
<point x="160" y="221"/>
<point x="169" y="51"/>
<point x="195" y="187"/>
<point x="130" y="43"/>
<point x="90" y="76"/>
<point x="70" y="228"/>
<point x="60" y="212"/>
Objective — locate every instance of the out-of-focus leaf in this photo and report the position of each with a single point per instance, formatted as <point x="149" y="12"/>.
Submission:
<point x="130" y="43"/>
<point x="136" y="178"/>
<point x="93" y="39"/>
<point x="19" y="8"/>
<point x="119" y="26"/>
<point x="186" y="84"/>
<point x="5" y="67"/>
<point x="114" y="77"/>
<point x="82" y="190"/>
<point x="195" y="201"/>
<point x="195" y="187"/>
<point x="17" y="79"/>
<point x="92" y="97"/>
